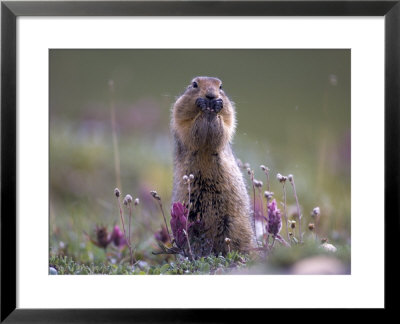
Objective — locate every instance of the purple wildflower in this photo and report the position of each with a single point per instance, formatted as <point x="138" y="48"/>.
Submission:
<point x="274" y="223"/>
<point x="178" y="223"/>
<point x="117" y="237"/>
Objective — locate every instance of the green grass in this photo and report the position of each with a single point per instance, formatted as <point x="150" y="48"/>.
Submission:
<point x="281" y="260"/>
<point x="209" y="265"/>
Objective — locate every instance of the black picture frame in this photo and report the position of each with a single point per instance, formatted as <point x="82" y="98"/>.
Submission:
<point x="10" y="10"/>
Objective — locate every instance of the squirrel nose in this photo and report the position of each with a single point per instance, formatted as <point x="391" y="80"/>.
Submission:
<point x="210" y="95"/>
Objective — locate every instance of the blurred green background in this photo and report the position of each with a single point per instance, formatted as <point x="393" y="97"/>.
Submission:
<point x="293" y="111"/>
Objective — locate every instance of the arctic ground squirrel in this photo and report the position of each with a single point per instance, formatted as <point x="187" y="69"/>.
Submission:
<point x="203" y="125"/>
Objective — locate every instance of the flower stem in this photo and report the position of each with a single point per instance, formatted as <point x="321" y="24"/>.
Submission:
<point x="254" y="206"/>
<point x="284" y="212"/>
<point x="129" y="235"/>
<point x="298" y="210"/>
<point x="187" y="221"/>
<point x="267" y="174"/>
<point x="122" y="219"/>
<point x="266" y="171"/>
<point x="267" y="240"/>
<point x="129" y="228"/>
<point x="165" y="220"/>
<point x="316" y="227"/>
<point x="262" y="215"/>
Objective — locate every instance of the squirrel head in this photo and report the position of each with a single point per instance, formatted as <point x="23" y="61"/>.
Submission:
<point x="203" y="117"/>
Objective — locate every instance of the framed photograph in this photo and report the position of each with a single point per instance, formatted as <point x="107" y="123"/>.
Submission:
<point x="183" y="156"/>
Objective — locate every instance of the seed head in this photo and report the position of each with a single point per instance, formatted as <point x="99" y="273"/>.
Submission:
<point x="127" y="199"/>
<point x="136" y="202"/>
<point x="281" y="178"/>
<point x="292" y="224"/>
<point x="311" y="226"/>
<point x="185" y="178"/>
<point x="191" y="177"/>
<point x="248" y="171"/>
<point x="290" y="177"/>
<point x="268" y="194"/>
<point x="246" y="165"/>
<point x="257" y="184"/>
<point x="227" y="241"/>
<point x="316" y="211"/>
<point x="155" y="195"/>
<point x="117" y="193"/>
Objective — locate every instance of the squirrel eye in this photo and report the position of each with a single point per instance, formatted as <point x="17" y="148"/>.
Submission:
<point x="195" y="85"/>
<point x="220" y="87"/>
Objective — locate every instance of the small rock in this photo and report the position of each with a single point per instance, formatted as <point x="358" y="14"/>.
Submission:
<point x="143" y="264"/>
<point x="329" y="247"/>
<point x="52" y="271"/>
<point x="323" y="265"/>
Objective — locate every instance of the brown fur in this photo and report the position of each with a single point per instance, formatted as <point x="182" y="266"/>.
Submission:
<point x="203" y="148"/>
